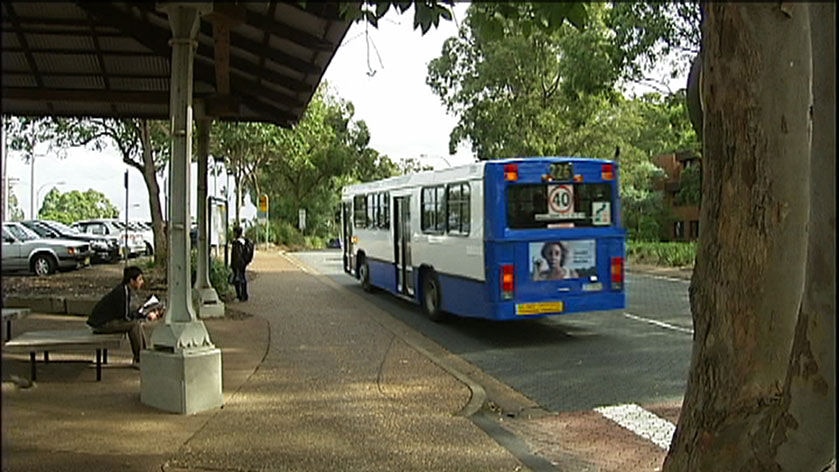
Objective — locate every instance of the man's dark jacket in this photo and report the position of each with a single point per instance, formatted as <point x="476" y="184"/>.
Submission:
<point x="113" y="306"/>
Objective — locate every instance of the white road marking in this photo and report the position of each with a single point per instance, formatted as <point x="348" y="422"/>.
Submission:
<point x="658" y="323"/>
<point x="641" y="422"/>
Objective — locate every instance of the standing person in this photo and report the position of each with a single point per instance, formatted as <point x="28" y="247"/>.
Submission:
<point x="241" y="255"/>
<point x="114" y="312"/>
<point x="555" y="255"/>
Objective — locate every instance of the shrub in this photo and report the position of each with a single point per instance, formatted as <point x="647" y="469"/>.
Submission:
<point x="671" y="254"/>
<point x="219" y="274"/>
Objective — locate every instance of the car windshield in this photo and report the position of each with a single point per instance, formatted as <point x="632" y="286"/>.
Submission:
<point x="21" y="232"/>
<point x="60" y="227"/>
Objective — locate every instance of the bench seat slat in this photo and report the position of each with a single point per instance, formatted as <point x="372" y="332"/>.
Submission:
<point x="64" y="340"/>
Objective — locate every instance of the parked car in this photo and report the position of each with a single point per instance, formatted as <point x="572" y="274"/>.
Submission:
<point x="114" y="228"/>
<point x="102" y="248"/>
<point x="24" y="250"/>
<point x="147" y="232"/>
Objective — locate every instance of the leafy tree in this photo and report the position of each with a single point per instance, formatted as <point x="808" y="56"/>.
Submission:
<point x="15" y="211"/>
<point x="74" y="206"/>
<point x="303" y="167"/>
<point x="143" y="145"/>
<point x="690" y="192"/>
<point x="312" y="161"/>
<point x="518" y="95"/>
<point x="646" y="34"/>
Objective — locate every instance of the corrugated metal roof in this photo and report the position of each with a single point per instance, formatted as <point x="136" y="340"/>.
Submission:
<point x="112" y="59"/>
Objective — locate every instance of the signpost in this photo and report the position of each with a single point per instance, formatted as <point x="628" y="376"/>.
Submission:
<point x="263" y="214"/>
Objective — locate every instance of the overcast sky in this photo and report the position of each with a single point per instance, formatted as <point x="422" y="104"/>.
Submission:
<point x="404" y="117"/>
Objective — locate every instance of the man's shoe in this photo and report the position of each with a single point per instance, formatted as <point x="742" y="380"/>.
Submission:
<point x="135" y="365"/>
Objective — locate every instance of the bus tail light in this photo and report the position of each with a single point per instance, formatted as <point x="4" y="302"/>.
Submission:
<point x="508" y="281"/>
<point x="617" y="273"/>
<point x="511" y="172"/>
<point x="607" y="172"/>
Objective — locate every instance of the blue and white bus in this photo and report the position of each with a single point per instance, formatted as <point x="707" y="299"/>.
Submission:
<point x="501" y="239"/>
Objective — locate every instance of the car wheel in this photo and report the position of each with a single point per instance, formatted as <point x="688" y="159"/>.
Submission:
<point x="364" y="276"/>
<point x="149" y="250"/>
<point x="43" y="264"/>
<point x="432" y="297"/>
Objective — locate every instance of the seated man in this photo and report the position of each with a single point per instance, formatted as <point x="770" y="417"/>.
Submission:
<point x="113" y="313"/>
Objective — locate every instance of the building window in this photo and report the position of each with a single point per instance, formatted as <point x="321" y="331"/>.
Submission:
<point x="679" y="230"/>
<point x="694" y="229"/>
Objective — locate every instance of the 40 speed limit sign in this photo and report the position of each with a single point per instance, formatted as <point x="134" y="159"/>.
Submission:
<point x="561" y="199"/>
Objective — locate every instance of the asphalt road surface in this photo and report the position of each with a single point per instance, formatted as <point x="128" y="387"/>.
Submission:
<point x="567" y="363"/>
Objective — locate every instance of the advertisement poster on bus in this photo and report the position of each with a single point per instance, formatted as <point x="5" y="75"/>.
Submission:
<point x="557" y="260"/>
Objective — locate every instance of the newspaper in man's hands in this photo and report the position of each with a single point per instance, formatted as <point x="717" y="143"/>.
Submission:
<point x="152" y="304"/>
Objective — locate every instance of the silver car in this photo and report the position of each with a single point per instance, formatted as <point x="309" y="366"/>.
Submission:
<point x="24" y="250"/>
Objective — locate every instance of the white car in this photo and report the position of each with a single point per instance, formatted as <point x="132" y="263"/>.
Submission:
<point x="112" y="227"/>
<point x="147" y="232"/>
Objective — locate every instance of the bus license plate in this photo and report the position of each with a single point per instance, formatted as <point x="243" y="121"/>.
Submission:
<point x="539" y="308"/>
<point x="593" y="287"/>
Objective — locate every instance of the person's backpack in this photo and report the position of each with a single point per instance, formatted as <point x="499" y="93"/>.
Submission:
<point x="247" y="251"/>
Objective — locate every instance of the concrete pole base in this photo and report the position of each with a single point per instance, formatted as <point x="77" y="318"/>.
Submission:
<point x="207" y="303"/>
<point x="184" y="382"/>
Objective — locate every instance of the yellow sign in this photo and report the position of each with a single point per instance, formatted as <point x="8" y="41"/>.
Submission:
<point x="539" y="308"/>
<point x="263" y="203"/>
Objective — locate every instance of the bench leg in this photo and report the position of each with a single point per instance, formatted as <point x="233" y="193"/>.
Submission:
<point x="98" y="365"/>
<point x="32" y="366"/>
<point x="46" y="357"/>
<point x="104" y="356"/>
<point x="8" y="329"/>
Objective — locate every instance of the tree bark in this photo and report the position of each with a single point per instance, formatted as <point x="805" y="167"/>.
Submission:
<point x="161" y="248"/>
<point x="761" y="388"/>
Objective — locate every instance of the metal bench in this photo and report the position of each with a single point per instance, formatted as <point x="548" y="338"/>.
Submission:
<point x="64" y="340"/>
<point x="10" y="314"/>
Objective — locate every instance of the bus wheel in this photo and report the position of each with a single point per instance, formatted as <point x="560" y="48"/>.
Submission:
<point x="431" y="297"/>
<point x="364" y="276"/>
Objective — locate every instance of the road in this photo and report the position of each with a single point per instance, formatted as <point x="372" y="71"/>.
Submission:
<point x="568" y="363"/>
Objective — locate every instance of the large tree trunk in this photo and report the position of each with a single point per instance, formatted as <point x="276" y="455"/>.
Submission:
<point x="762" y="387"/>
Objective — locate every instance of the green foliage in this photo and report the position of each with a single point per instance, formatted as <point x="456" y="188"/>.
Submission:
<point x="75" y="206"/>
<point x="306" y="166"/>
<point x="645" y="33"/>
<point x="671" y="254"/>
<point x="219" y="274"/>
<point x="426" y="14"/>
<point x="690" y="191"/>
<point x="15" y="212"/>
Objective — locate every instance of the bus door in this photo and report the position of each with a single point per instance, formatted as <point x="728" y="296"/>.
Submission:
<point x="402" y="245"/>
<point x="346" y="236"/>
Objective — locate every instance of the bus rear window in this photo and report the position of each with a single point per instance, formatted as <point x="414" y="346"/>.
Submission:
<point x="553" y="205"/>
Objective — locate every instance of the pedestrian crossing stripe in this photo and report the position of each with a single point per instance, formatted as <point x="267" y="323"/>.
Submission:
<point x="641" y="422"/>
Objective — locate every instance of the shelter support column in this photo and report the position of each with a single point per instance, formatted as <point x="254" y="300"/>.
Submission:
<point x="204" y="296"/>
<point x="181" y="373"/>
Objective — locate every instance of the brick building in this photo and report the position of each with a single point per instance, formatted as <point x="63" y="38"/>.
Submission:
<point x="685" y="224"/>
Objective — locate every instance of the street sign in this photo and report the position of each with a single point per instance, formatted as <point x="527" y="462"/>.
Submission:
<point x="561" y="199"/>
